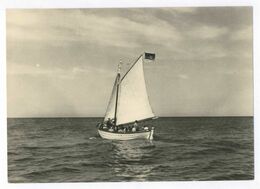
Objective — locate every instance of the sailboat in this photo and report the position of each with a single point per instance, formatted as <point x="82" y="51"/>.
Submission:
<point x="129" y="108"/>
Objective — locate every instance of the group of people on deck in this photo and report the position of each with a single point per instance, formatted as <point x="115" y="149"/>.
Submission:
<point x="110" y="126"/>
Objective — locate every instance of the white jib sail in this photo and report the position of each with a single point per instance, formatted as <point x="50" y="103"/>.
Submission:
<point x="110" y="113"/>
<point x="133" y="103"/>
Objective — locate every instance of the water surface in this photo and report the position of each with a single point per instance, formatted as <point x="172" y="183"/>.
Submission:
<point x="184" y="149"/>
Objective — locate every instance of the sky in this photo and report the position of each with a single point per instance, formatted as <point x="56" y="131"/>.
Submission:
<point x="63" y="62"/>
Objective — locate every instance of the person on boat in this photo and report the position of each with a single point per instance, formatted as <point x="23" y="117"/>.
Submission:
<point x="104" y="126"/>
<point x="109" y="123"/>
<point x="113" y="121"/>
<point x="136" y="123"/>
<point x="120" y="130"/>
<point x="111" y="129"/>
<point x="146" y="128"/>
<point x="135" y="126"/>
<point x="99" y="125"/>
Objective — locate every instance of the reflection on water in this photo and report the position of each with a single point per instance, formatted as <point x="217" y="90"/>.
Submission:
<point x="132" y="159"/>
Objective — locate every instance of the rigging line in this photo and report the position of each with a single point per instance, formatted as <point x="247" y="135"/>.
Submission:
<point x="131" y="67"/>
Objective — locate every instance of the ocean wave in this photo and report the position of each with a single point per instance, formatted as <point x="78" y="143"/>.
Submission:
<point x="24" y="159"/>
<point x="55" y="147"/>
<point x="233" y="176"/>
<point x="52" y="170"/>
<point x="12" y="153"/>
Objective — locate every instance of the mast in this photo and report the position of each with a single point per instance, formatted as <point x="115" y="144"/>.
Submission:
<point x="117" y="88"/>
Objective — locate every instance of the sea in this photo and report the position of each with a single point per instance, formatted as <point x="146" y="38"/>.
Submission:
<point x="54" y="150"/>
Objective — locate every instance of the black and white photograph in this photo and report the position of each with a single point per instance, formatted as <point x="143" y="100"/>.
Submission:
<point x="131" y="94"/>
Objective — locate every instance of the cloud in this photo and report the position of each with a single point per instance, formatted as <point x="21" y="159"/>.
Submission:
<point x="55" y="72"/>
<point x="207" y="32"/>
<point x="244" y="34"/>
<point x="185" y="10"/>
<point x="183" y="76"/>
<point x="92" y="70"/>
<point x="83" y="27"/>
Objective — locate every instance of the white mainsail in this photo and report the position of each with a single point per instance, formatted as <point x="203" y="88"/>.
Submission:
<point x="110" y="113"/>
<point x="133" y="102"/>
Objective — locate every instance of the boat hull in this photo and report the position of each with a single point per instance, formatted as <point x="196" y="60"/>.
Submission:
<point x="126" y="136"/>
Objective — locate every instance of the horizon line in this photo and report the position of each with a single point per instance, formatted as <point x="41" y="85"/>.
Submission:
<point x="158" y="116"/>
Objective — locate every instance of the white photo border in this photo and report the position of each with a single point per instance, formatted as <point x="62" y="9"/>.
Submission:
<point x="21" y="4"/>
